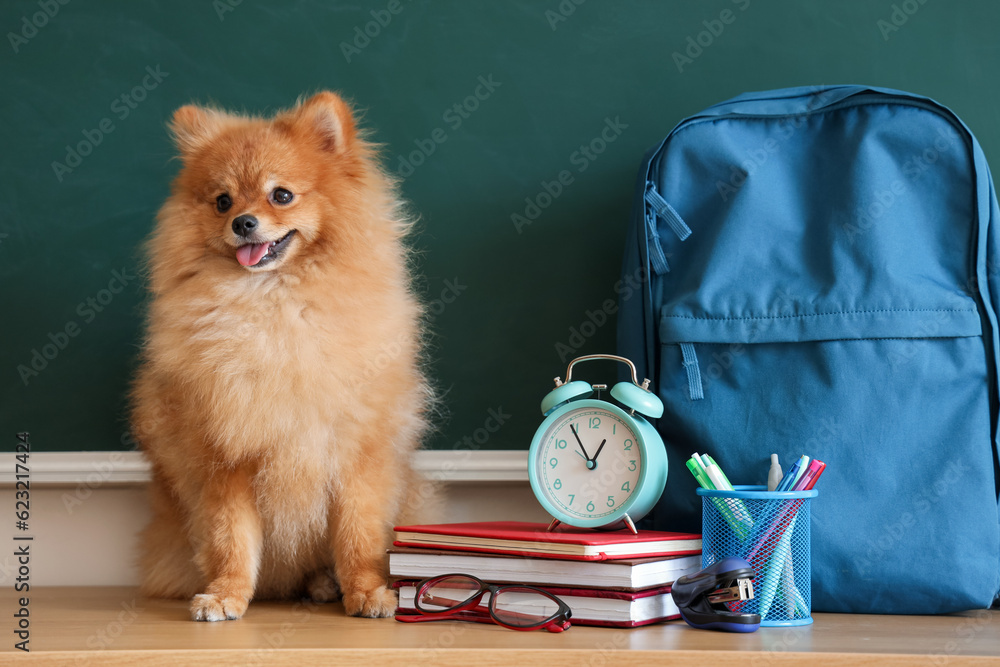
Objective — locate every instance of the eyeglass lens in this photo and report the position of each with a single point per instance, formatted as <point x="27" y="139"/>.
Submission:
<point x="523" y="607"/>
<point x="514" y="605"/>
<point x="447" y="593"/>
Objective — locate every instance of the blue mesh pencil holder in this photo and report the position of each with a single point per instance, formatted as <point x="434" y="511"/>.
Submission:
<point x="769" y="530"/>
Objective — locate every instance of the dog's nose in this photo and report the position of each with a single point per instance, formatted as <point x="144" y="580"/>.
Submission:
<point x="244" y="225"/>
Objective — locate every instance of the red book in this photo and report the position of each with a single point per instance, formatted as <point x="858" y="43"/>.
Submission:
<point x="532" y="539"/>
<point x="589" y="606"/>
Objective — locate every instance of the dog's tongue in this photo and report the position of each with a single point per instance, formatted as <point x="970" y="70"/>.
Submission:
<point x="251" y="253"/>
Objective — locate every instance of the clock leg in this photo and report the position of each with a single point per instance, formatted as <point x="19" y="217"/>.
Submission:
<point x="552" y="526"/>
<point x="628" y="524"/>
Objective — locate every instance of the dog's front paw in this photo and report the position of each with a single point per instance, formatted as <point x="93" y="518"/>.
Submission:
<point x="376" y="603"/>
<point x="209" y="607"/>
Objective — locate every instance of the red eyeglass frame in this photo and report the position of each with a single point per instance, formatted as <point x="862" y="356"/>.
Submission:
<point x="470" y="610"/>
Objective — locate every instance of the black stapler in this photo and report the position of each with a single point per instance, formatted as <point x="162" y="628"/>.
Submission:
<point x="701" y="596"/>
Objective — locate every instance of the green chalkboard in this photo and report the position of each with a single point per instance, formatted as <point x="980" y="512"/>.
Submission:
<point x="489" y="111"/>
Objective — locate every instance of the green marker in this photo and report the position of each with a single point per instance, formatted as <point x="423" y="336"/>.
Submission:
<point x="739" y="526"/>
<point x="699" y="474"/>
<point x="710" y="461"/>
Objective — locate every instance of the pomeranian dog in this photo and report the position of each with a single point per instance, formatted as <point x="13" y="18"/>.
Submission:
<point x="280" y="398"/>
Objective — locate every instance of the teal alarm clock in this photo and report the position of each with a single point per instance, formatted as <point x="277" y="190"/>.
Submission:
<point x="597" y="463"/>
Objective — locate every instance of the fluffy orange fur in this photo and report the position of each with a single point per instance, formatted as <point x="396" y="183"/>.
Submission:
<point x="280" y="404"/>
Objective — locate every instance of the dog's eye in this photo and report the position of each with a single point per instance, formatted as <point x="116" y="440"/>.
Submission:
<point x="223" y="203"/>
<point x="281" y="196"/>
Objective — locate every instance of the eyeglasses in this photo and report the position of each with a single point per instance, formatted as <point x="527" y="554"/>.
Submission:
<point x="460" y="597"/>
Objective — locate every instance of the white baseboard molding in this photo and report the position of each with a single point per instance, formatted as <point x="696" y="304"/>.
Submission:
<point x="131" y="468"/>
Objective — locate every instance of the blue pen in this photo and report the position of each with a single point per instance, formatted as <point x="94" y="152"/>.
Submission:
<point x="775" y="565"/>
<point x="803" y="468"/>
<point x="790" y="476"/>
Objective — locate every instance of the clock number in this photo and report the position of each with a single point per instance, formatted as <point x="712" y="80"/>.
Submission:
<point x="614" y="427"/>
<point x="557" y="484"/>
<point x="631" y="465"/>
<point x="590" y="506"/>
<point x="628" y="445"/>
<point x="611" y="501"/>
<point x="560" y="444"/>
<point x="595" y="422"/>
<point x="571" y="497"/>
<point x="625" y="487"/>
<point x="553" y="461"/>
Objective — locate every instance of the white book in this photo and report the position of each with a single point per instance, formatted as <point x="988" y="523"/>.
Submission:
<point x="624" y="575"/>
<point x="588" y="606"/>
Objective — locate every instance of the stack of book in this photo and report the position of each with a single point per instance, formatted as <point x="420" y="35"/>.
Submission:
<point x="607" y="578"/>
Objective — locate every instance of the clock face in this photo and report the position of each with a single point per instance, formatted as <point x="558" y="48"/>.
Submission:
<point x="589" y="463"/>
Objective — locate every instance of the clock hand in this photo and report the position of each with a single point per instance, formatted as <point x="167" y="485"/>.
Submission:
<point x="582" y="448"/>
<point x="599" y="450"/>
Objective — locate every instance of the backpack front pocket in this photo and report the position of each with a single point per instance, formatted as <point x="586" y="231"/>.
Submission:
<point x="895" y="402"/>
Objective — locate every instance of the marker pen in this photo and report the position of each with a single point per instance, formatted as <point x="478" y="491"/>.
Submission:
<point x="715" y="474"/>
<point x="699" y="474"/>
<point x="808" y="480"/>
<point x="790" y="476"/>
<point x="711" y="461"/>
<point x="802" y="471"/>
<point x="739" y="521"/>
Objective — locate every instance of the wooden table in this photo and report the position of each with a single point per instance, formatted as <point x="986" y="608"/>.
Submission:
<point x="114" y="626"/>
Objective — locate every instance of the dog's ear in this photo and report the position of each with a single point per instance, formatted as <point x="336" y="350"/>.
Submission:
<point x="192" y="126"/>
<point x="328" y="119"/>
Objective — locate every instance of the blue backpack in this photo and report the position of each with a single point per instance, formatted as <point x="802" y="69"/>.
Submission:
<point x="821" y="280"/>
